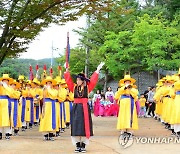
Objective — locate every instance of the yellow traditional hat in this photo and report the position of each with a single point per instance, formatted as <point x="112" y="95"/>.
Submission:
<point x="48" y="79"/>
<point x="6" y="77"/>
<point x="120" y="84"/>
<point x="169" y="79"/>
<point x="63" y="81"/>
<point x="35" y="80"/>
<point x="18" y="85"/>
<point x="159" y="84"/>
<point x="21" y="77"/>
<point x="29" y="82"/>
<point x="58" y="80"/>
<point x="127" y="78"/>
<point x="175" y="78"/>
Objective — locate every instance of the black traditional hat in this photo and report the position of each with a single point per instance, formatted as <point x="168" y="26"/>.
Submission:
<point x="82" y="77"/>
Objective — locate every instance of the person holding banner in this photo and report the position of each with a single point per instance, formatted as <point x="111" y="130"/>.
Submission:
<point x="81" y="121"/>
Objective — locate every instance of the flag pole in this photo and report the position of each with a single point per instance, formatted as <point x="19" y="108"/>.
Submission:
<point x="67" y="51"/>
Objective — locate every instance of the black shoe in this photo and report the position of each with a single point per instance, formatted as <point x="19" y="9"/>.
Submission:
<point x="51" y="139"/>
<point x="83" y="147"/>
<point x="46" y="137"/>
<point x="23" y="128"/>
<point x="0" y="136"/>
<point x="78" y="147"/>
<point x="57" y="134"/>
<point x="51" y="135"/>
<point x="62" y="130"/>
<point x="7" y="137"/>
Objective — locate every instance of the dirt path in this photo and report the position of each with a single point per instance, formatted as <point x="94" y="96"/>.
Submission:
<point x="105" y="140"/>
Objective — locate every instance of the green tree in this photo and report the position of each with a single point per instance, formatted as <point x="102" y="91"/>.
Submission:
<point x="120" y="17"/>
<point x="22" y="20"/>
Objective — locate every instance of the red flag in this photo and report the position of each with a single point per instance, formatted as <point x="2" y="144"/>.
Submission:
<point x="67" y="51"/>
<point x="37" y="67"/>
<point x="51" y="71"/>
<point x="44" y="72"/>
<point x="45" y="68"/>
<point x="37" y="71"/>
<point x="31" y="76"/>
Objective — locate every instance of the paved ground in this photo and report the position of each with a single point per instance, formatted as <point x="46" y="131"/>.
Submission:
<point x="105" y="140"/>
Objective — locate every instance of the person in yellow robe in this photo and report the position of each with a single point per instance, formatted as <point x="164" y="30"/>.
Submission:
<point x="158" y="100"/>
<point x="127" y="117"/>
<point x="168" y="101"/>
<point x="38" y="97"/>
<point x="28" y="105"/>
<point x="15" y="121"/>
<point x="67" y="102"/>
<point x="177" y="107"/>
<point x="62" y="97"/>
<point x="48" y="119"/>
<point x="57" y="105"/>
<point x="5" y="106"/>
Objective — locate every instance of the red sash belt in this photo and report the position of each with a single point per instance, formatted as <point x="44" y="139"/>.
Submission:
<point x="84" y="101"/>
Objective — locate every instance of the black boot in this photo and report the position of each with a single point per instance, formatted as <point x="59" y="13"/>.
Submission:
<point x="78" y="147"/>
<point x="67" y="125"/>
<point x="7" y="137"/>
<point x="16" y="132"/>
<point x="0" y="136"/>
<point x="23" y="128"/>
<point x="51" y="137"/>
<point x="30" y="125"/>
<point x="57" y="134"/>
<point x="46" y="137"/>
<point x="83" y="147"/>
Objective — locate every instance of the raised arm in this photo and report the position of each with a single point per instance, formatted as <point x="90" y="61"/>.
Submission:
<point x="93" y="81"/>
<point x="94" y="77"/>
<point x="69" y="81"/>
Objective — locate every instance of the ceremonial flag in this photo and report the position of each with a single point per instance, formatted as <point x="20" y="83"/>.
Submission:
<point x="67" y="51"/>
<point x="44" y="72"/>
<point x="60" y="71"/>
<point x="51" y="71"/>
<point x="37" y="71"/>
<point x="31" y="76"/>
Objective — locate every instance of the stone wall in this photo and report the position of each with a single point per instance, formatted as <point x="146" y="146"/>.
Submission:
<point x="143" y="80"/>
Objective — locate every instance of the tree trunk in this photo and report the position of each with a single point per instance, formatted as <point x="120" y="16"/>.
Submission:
<point x="105" y="81"/>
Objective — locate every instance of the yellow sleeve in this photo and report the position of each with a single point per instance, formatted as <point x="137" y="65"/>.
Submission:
<point x="62" y="94"/>
<point x="120" y="92"/>
<point x="16" y="94"/>
<point x="24" y="93"/>
<point x="116" y="96"/>
<point x="71" y="96"/>
<point x="40" y="93"/>
<point x="51" y="93"/>
<point x="172" y="93"/>
<point x="134" y="93"/>
<point x="9" y="91"/>
<point x="177" y="86"/>
<point x="157" y="95"/>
